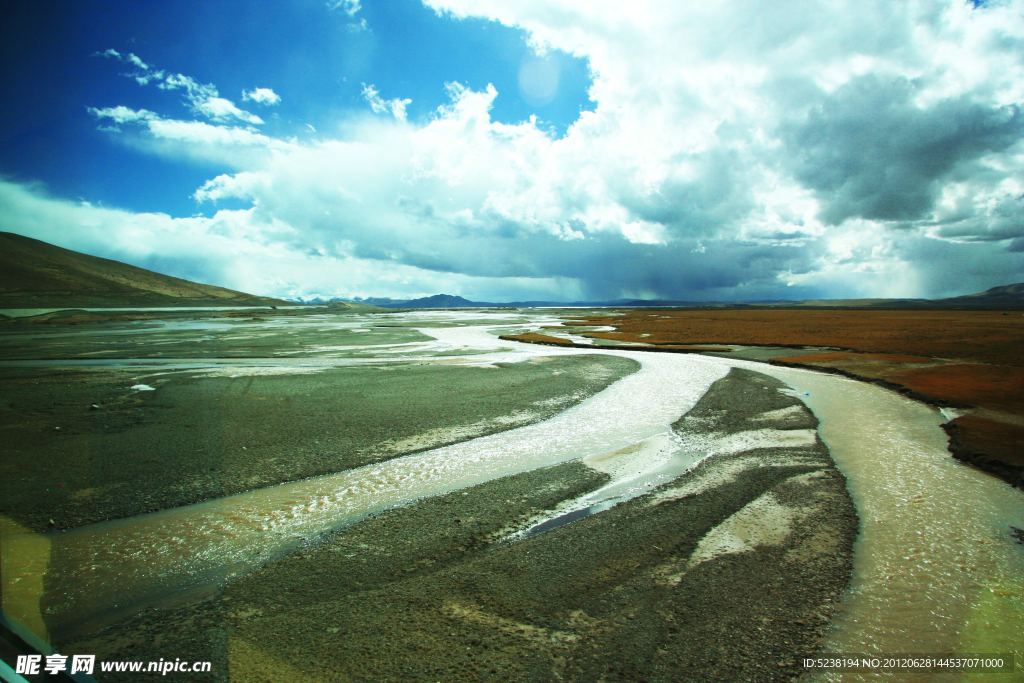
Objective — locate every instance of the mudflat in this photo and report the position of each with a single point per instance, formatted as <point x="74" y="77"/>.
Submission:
<point x="731" y="570"/>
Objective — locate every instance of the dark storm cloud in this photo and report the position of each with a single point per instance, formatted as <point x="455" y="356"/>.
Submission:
<point x="870" y="151"/>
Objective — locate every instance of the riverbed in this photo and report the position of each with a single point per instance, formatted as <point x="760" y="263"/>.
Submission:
<point x="935" y="566"/>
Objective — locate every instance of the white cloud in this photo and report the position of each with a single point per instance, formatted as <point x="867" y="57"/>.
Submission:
<point x="220" y="109"/>
<point x="123" y="114"/>
<point x="143" y="73"/>
<point x="643" y="232"/>
<point x="235" y="249"/>
<point x="349" y="7"/>
<point x="226" y="144"/>
<point x="200" y="133"/>
<point x="396" y="106"/>
<point x="196" y="92"/>
<point x="264" y="96"/>
<point x="736" y="150"/>
<point x="203" y="98"/>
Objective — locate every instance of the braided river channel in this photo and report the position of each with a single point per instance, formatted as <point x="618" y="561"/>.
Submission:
<point x="936" y="569"/>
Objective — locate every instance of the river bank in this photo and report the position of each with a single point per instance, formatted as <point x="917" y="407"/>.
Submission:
<point x="968" y="360"/>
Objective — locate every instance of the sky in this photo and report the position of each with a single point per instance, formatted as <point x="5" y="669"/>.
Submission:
<point x="535" y="150"/>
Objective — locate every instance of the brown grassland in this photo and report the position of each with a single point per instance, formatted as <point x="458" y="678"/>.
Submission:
<point x="971" y="360"/>
<point x="535" y="338"/>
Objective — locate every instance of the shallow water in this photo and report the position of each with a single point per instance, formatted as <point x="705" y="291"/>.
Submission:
<point x="634" y="471"/>
<point x="935" y="568"/>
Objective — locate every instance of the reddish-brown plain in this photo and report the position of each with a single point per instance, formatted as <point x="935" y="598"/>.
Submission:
<point x="982" y="336"/>
<point x="966" y="359"/>
<point x="534" y="338"/>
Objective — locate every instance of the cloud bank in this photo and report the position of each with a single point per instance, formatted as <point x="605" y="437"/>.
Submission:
<point x="736" y="151"/>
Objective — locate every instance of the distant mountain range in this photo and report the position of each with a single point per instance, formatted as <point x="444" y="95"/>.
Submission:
<point x="34" y="274"/>
<point x="1008" y="296"/>
<point x="450" y="301"/>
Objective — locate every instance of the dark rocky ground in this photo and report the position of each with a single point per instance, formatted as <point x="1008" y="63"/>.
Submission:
<point x="197" y="437"/>
<point x="431" y="592"/>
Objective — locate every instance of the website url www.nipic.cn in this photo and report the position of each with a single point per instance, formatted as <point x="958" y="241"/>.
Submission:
<point x="86" y="664"/>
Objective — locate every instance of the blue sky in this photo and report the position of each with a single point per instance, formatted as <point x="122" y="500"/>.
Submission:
<point x="315" y="58"/>
<point x="535" y="150"/>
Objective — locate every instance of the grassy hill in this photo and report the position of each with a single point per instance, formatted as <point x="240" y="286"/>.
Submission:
<point x="35" y="274"/>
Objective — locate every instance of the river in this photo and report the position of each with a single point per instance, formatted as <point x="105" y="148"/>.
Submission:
<point x="935" y="568"/>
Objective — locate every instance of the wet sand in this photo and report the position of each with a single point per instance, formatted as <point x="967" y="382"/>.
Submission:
<point x="731" y="570"/>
